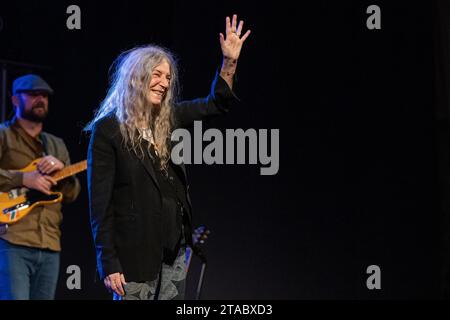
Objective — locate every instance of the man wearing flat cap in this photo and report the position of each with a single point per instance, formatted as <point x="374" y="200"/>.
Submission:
<point x="30" y="247"/>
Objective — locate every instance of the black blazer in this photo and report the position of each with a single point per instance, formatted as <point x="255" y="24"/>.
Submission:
<point x="124" y="195"/>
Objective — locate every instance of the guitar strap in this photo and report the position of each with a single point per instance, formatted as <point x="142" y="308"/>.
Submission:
<point x="44" y="144"/>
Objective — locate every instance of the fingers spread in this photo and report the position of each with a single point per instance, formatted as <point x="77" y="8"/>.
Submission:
<point x="227" y="25"/>
<point x="234" y="23"/>
<point x="239" y="29"/>
<point x="245" y="36"/>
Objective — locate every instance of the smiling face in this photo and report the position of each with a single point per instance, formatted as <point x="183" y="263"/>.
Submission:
<point x="159" y="83"/>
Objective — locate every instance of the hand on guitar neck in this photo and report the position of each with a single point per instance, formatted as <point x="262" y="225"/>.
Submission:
<point x="40" y="178"/>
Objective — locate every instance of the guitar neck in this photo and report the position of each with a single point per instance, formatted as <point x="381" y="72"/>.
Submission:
<point x="70" y="170"/>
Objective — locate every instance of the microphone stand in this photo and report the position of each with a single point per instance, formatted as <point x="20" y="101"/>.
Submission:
<point x="198" y="252"/>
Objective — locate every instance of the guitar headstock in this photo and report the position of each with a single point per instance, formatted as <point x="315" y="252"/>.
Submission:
<point x="200" y="235"/>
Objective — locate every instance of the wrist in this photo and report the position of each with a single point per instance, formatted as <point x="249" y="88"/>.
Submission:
<point x="229" y="64"/>
<point x="228" y="68"/>
<point x="18" y="179"/>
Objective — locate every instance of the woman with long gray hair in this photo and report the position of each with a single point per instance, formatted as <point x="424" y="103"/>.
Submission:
<point x="141" y="214"/>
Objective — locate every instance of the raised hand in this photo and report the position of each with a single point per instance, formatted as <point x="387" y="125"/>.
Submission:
<point x="232" y="43"/>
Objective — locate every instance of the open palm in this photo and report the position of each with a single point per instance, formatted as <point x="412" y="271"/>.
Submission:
<point x="232" y="44"/>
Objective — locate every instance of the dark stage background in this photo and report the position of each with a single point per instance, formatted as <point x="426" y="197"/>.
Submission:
<point x="355" y="108"/>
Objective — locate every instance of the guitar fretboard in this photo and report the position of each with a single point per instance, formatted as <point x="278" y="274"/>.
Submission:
<point x="70" y="170"/>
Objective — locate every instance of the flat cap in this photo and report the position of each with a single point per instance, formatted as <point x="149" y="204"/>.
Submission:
<point x="30" y="82"/>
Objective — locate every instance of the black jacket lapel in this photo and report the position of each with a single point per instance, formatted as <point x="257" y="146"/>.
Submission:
<point x="148" y="165"/>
